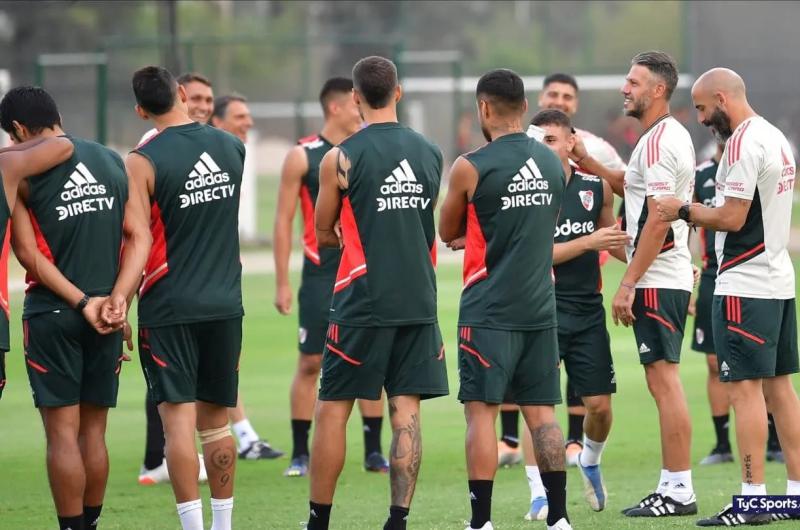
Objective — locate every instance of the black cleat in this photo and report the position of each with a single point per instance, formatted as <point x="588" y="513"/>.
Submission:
<point x="647" y="501"/>
<point x="785" y="517"/>
<point x="260" y="450"/>
<point x="665" y="506"/>
<point x="727" y="518"/>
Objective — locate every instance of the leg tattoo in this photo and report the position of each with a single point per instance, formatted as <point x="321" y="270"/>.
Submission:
<point x="405" y="458"/>
<point x="548" y="444"/>
<point x="223" y="459"/>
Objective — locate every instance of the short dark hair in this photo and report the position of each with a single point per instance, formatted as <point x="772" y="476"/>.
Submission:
<point x="334" y="85"/>
<point x="375" y="78"/>
<point x="31" y="106"/>
<point x="662" y="65"/>
<point x="193" y="77"/>
<point x="503" y="88"/>
<point x="154" y="88"/>
<point x="221" y="104"/>
<point x="565" y="79"/>
<point x="551" y="117"/>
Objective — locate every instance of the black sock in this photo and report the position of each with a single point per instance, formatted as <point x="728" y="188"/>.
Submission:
<point x="154" y="443"/>
<point x="91" y="516"/>
<point x="71" y="523"/>
<point x="300" y="430"/>
<point x="480" y="496"/>
<point x="509" y="424"/>
<point x="575" y="431"/>
<point x="555" y="484"/>
<point x="372" y="434"/>
<point x="721" y="428"/>
<point x="398" y="517"/>
<point x="319" y="516"/>
<point x="773" y="444"/>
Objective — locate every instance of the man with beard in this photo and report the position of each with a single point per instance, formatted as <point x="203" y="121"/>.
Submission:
<point x="653" y="295"/>
<point x="754" y="319"/>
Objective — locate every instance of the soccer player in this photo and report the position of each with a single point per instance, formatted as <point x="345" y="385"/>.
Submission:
<point x="300" y="181"/>
<point x="754" y="319"/>
<point x="503" y="200"/>
<point x="703" y="337"/>
<point x="377" y="192"/>
<point x="653" y="295"/>
<point x="232" y="115"/>
<point x="190" y="300"/>
<point x="16" y="163"/>
<point x="70" y="211"/>
<point x="586" y="226"/>
<point x="559" y="91"/>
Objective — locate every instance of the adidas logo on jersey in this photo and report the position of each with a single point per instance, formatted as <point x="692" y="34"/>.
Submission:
<point x="80" y="189"/>
<point x="206" y="182"/>
<point x="403" y="187"/>
<point x="568" y="228"/>
<point x="528" y="178"/>
<point x="643" y="348"/>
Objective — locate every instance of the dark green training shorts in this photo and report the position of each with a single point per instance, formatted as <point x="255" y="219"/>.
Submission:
<point x="192" y="362"/>
<point x="357" y="363"/>
<point x="585" y="349"/>
<point x="69" y="362"/>
<point x="660" y="319"/>
<point x="703" y="339"/>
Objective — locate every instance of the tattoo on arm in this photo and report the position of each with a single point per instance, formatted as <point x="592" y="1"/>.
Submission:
<point x="548" y="445"/>
<point x="405" y="458"/>
<point x="342" y="169"/>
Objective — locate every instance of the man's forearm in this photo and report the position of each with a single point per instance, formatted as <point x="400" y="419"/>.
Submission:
<point x="283" y="250"/>
<point x="717" y="219"/>
<point x="327" y="238"/>
<point x="651" y="240"/>
<point x="614" y="177"/>
<point x="132" y="263"/>
<point x="566" y="251"/>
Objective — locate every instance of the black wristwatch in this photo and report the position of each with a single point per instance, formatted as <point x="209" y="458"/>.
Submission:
<point x="83" y="303"/>
<point x="683" y="213"/>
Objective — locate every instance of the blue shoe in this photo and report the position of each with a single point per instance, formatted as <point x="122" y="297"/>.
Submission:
<point x="594" y="489"/>
<point x="298" y="467"/>
<point x="539" y="510"/>
<point x="376" y="463"/>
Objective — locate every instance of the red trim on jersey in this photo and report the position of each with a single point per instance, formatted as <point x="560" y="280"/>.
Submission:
<point x="434" y="253"/>
<point x="731" y="262"/>
<point x="310" y="247"/>
<point x="743" y="333"/>
<point x="308" y="139"/>
<point x="475" y="250"/>
<point x="343" y="355"/>
<point x="157" y="266"/>
<point x="661" y="320"/>
<point x="42" y="245"/>
<point x="735" y="145"/>
<point x="667" y="246"/>
<point x="654" y="144"/>
<point x="353" y="263"/>
<point x="474" y="353"/>
<point x="4" y="271"/>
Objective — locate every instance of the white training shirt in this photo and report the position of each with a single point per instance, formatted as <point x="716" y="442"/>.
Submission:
<point x="662" y="164"/>
<point x="601" y="150"/>
<point x="757" y="165"/>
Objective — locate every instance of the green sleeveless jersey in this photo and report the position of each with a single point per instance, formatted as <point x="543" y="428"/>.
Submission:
<point x="5" y="237"/>
<point x="508" y="259"/>
<point x="386" y="274"/>
<point x="194" y="272"/>
<point x="578" y="280"/>
<point x="76" y="210"/>
<point x="705" y="189"/>
<point x="318" y="261"/>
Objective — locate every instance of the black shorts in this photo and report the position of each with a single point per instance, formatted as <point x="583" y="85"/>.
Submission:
<point x="703" y="338"/>
<point x="192" y="362"/>
<point x="585" y="349"/>
<point x="358" y="363"/>
<point x="68" y="362"/>
<point x="314" y="305"/>
<point x="755" y="337"/>
<point x="501" y="366"/>
<point x="2" y="371"/>
<point x="660" y="320"/>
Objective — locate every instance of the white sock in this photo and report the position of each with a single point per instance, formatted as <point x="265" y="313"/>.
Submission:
<point x="221" y="510"/>
<point x="592" y="451"/>
<point x="680" y="485"/>
<point x="663" y="482"/>
<point x="245" y="434"/>
<point x="754" y="489"/>
<point x="191" y="514"/>
<point x="535" y="482"/>
<point x="793" y="487"/>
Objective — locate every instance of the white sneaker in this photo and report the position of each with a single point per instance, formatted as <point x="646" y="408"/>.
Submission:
<point x="203" y="475"/>
<point x="561" y="524"/>
<point x="487" y="526"/>
<point x="157" y="475"/>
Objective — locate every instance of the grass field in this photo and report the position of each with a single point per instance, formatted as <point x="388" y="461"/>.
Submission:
<point x="266" y="500"/>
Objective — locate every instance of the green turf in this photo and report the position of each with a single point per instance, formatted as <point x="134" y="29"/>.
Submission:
<point x="264" y="499"/>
